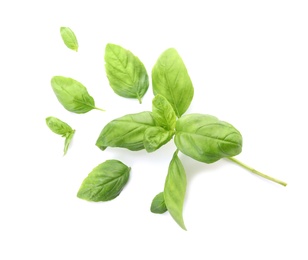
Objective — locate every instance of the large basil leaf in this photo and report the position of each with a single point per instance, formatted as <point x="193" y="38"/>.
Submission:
<point x="127" y="131"/>
<point x="61" y="128"/>
<point x="105" y="182"/>
<point x="175" y="189"/>
<point x="158" y="205"/>
<point x="72" y="95"/>
<point x="126" y="74"/>
<point x="207" y="139"/>
<point x="163" y="113"/>
<point x="155" y="137"/>
<point x="69" y="38"/>
<point x="170" y="79"/>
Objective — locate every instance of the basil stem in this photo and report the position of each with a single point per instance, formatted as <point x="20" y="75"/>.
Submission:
<point x="257" y="172"/>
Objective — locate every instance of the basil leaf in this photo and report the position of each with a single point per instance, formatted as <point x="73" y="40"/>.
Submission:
<point x="69" y="38"/>
<point x="61" y="128"/>
<point x="126" y="74"/>
<point x="126" y="132"/>
<point x="155" y="137"/>
<point x="163" y="113"/>
<point x="68" y="139"/>
<point x="158" y="205"/>
<point x="170" y="79"/>
<point x="105" y="182"/>
<point x="72" y="95"/>
<point x="57" y="126"/>
<point x="207" y="139"/>
<point x="175" y="189"/>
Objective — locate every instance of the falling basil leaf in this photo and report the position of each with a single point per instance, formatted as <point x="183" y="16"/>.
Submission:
<point x="126" y="132"/>
<point x="207" y="139"/>
<point x="163" y="113"/>
<point x="158" y="205"/>
<point x="105" y="182"/>
<point x="175" y="189"/>
<point x="126" y="74"/>
<point x="69" y="38"/>
<point x="72" y="95"/>
<point x="61" y="128"/>
<point x="170" y="79"/>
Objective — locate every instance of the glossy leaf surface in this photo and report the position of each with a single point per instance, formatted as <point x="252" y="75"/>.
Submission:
<point x="175" y="189"/>
<point x="126" y="132"/>
<point x="163" y="113"/>
<point x="126" y="73"/>
<point x="155" y="137"/>
<point x="105" y="182"/>
<point x="207" y="139"/>
<point x="72" y="95"/>
<point x="171" y="80"/>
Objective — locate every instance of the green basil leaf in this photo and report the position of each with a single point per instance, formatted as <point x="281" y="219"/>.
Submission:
<point x="57" y="126"/>
<point x="126" y="132"/>
<point x="155" y="137"/>
<point x="158" y="205"/>
<point x="170" y="79"/>
<point x="68" y="139"/>
<point x="126" y="74"/>
<point x="72" y="95"/>
<point x="69" y="38"/>
<point x="61" y="128"/>
<point x="163" y="113"/>
<point x="105" y="182"/>
<point x="207" y="139"/>
<point x="175" y="189"/>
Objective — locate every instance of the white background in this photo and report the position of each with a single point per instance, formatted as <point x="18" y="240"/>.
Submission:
<point x="248" y="61"/>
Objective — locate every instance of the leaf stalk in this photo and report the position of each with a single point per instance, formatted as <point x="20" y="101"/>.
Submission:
<point x="257" y="172"/>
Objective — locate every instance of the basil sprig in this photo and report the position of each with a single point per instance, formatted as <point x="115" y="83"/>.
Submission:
<point x="202" y="137"/>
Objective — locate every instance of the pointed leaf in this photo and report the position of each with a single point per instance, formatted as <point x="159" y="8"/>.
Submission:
<point x="126" y="74"/>
<point x="175" y="189"/>
<point x="72" y="95"/>
<point x="207" y="139"/>
<point x="126" y="132"/>
<point x="163" y="113"/>
<point x="105" y="182"/>
<point x="170" y="79"/>
<point x="69" y="38"/>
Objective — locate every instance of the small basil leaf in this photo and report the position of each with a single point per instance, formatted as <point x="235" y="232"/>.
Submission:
<point x="69" y="38"/>
<point x="175" y="189"/>
<point x="163" y="113"/>
<point x="126" y="74"/>
<point x="158" y="205"/>
<point x="105" y="182"/>
<point x="57" y="126"/>
<point x="72" y="95"/>
<point x="68" y="139"/>
<point x="170" y="79"/>
<point x="207" y="139"/>
<point x="126" y="132"/>
<point x="155" y="137"/>
<point x="61" y="128"/>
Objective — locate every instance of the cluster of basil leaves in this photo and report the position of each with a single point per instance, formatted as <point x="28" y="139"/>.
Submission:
<point x="199" y="136"/>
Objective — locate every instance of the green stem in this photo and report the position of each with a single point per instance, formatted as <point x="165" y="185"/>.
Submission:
<point x="100" y="109"/>
<point x="257" y="172"/>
